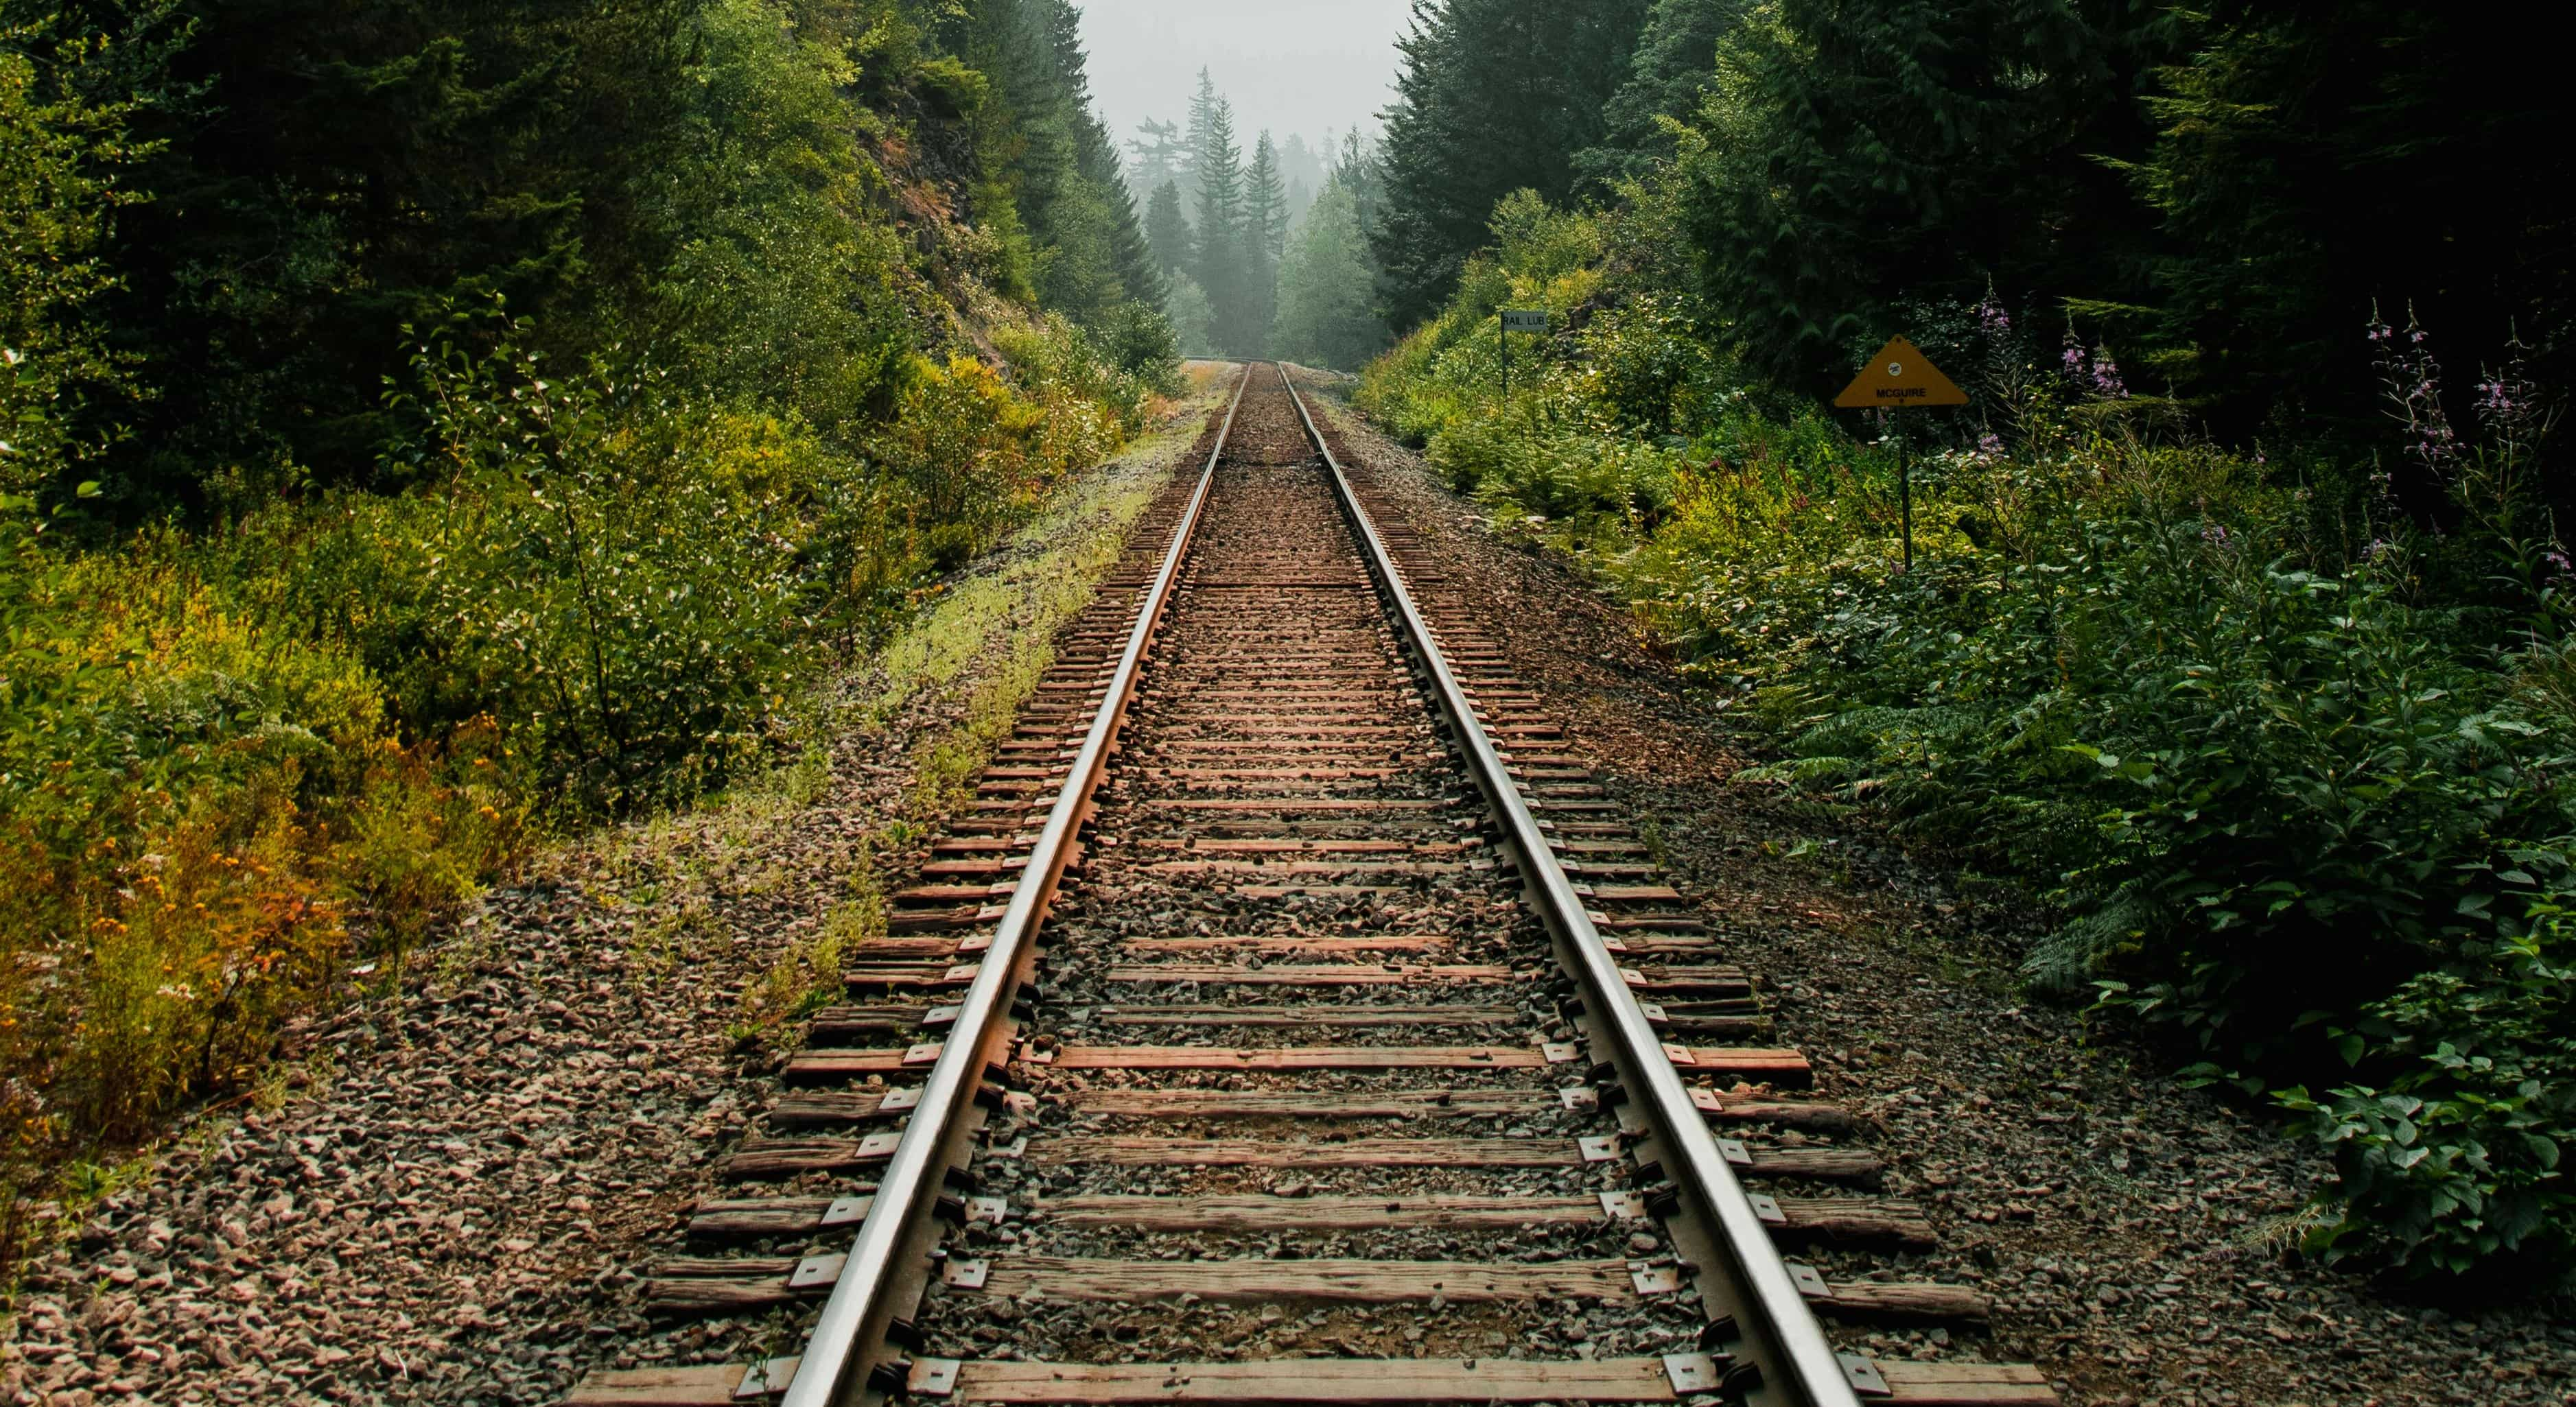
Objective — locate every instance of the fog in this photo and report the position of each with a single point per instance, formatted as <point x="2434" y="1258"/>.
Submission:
<point x="1297" y="67"/>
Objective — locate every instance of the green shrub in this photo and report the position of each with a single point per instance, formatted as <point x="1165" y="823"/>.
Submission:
<point x="2456" y="1155"/>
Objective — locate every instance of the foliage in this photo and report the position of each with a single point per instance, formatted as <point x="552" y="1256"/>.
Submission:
<point x="329" y="587"/>
<point x="199" y="801"/>
<point x="1930" y="147"/>
<point x="66" y="142"/>
<point x="2458" y="1156"/>
<point x="1494" y="96"/>
<point x="2291" y="774"/>
<point x="2308" y="160"/>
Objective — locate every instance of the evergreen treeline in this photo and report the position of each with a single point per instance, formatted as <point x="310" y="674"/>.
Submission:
<point x="425" y="424"/>
<point x="2238" y="621"/>
<point x="2225" y="192"/>
<point x="1494" y="96"/>
<point x="1265" y="252"/>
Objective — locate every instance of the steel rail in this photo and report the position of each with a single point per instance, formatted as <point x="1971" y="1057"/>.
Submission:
<point x="1806" y="1358"/>
<point x="856" y="1315"/>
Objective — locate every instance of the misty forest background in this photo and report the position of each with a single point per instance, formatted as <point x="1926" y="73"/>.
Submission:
<point x="434" y="428"/>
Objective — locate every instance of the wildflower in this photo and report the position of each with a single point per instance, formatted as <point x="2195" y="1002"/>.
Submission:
<point x="1990" y="445"/>
<point x="2106" y="376"/>
<point x="2214" y="533"/>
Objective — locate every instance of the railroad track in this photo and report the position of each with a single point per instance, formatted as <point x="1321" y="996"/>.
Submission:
<point x="1368" y="1056"/>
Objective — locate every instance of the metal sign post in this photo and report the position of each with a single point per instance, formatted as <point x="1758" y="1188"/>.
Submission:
<point x="1509" y="321"/>
<point x="1900" y="375"/>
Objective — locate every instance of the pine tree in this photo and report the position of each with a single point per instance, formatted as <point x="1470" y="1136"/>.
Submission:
<point x="1265" y="203"/>
<point x="1670" y="75"/>
<point x="1096" y="158"/>
<point x="1156" y="154"/>
<point x="1218" y="227"/>
<point x="1051" y="160"/>
<point x="1167" y="230"/>
<point x="2310" y="161"/>
<point x="1265" y="234"/>
<point x="1358" y="169"/>
<point x="1494" y="96"/>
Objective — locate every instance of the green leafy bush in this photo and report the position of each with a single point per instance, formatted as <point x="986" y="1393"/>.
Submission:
<point x="2457" y="1155"/>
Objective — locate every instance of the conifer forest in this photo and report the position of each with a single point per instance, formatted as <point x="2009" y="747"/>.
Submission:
<point x="438" y="439"/>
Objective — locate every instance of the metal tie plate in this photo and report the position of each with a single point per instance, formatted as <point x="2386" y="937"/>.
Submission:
<point x="931" y="1377"/>
<point x="1810" y="1281"/>
<point x="1735" y="1153"/>
<point x="898" y="1101"/>
<point x="1864" y="1375"/>
<point x="1690" y="1373"/>
<point x="1654" y="1279"/>
<point x="1624" y="1206"/>
<point x="1767" y="1208"/>
<point x="1602" y="1148"/>
<point x="1577" y="1098"/>
<point x="966" y="1274"/>
<point x="816" y="1271"/>
<point x="848" y="1211"/>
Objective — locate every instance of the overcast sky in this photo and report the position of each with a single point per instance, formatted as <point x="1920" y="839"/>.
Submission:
<point x="1288" y="65"/>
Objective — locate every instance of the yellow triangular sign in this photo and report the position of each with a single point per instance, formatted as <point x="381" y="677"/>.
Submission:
<point x="1900" y="376"/>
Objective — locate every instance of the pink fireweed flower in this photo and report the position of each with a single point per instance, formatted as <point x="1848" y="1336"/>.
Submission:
<point x="2106" y="376"/>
